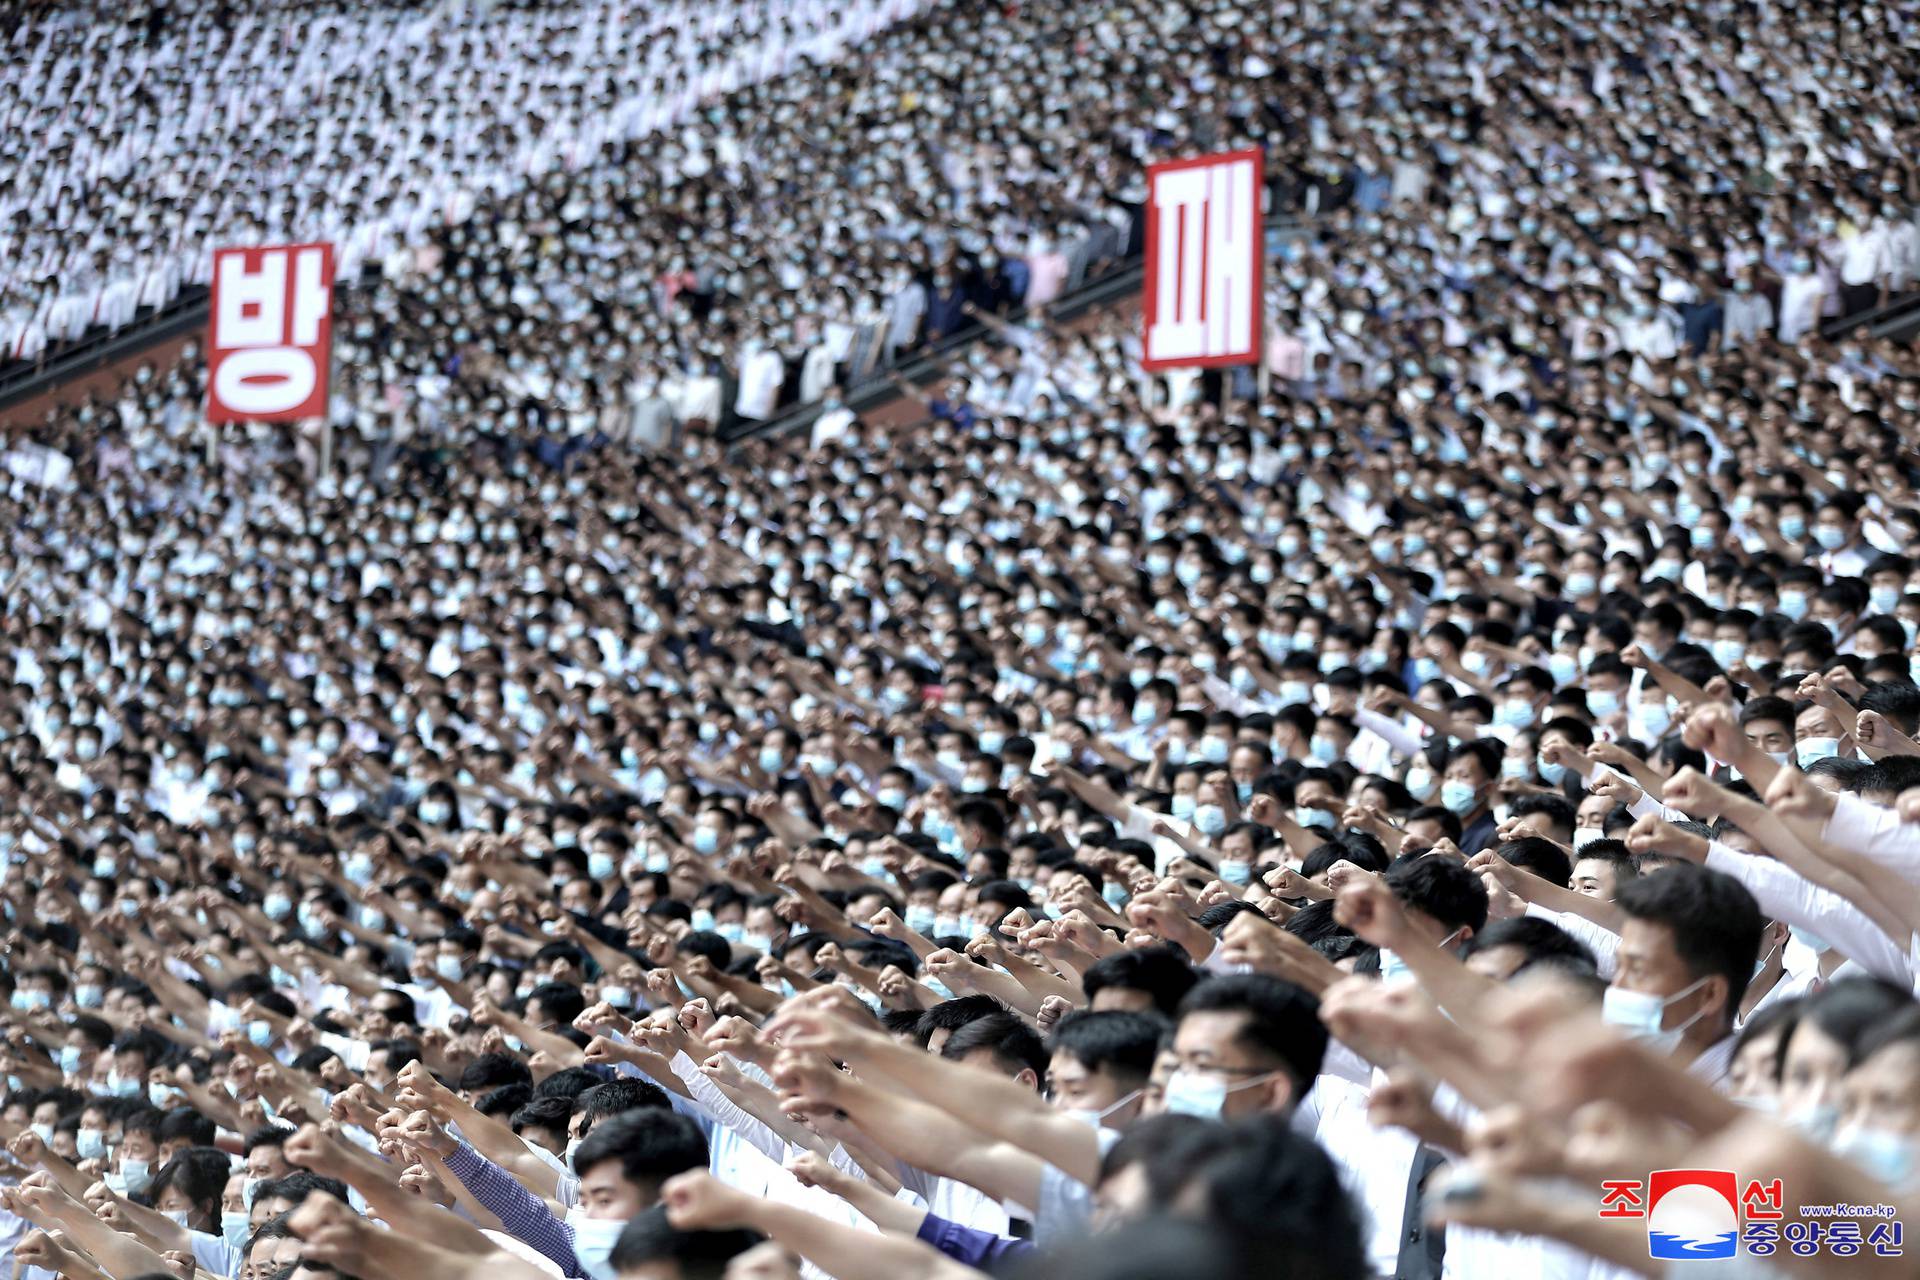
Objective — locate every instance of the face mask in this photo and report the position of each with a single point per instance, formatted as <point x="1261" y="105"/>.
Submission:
<point x="44" y="1132"/>
<point x="1551" y="772"/>
<point x="593" y="1240"/>
<point x="1603" y="703"/>
<point x="1114" y="894"/>
<point x="703" y="921"/>
<point x="124" y="1087"/>
<point x="180" y="1216"/>
<point x="1728" y="652"/>
<point x="1196" y="1093"/>
<point x="260" y="1032"/>
<point x="1651" y="719"/>
<point x="233" y="1227"/>
<point x="923" y="920"/>
<point x="1829" y="537"/>
<point x="1087" y="1115"/>
<point x="91" y="1144"/>
<point x="278" y="908"/>
<point x="1236" y="871"/>
<point x="1884" y="599"/>
<point x="1807" y="750"/>
<point x="1458" y="796"/>
<point x="70" y="1059"/>
<point x="1513" y="713"/>
<point x="1890" y="1157"/>
<point x="1792" y="603"/>
<point x="1641" y="1016"/>
<point x="1210" y="818"/>
<point x="137" y="1175"/>
<point x="705" y="840"/>
<point x="448" y="967"/>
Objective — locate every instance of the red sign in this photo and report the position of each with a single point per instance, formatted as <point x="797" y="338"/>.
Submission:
<point x="1205" y="248"/>
<point x="270" y="338"/>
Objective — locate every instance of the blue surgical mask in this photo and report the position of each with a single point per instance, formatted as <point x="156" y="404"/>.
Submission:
<point x="137" y="1175"/>
<point x="922" y="920"/>
<point x="1808" y="750"/>
<point x="1602" y="702"/>
<point x="1642" y="1016"/>
<point x="1889" y="1157"/>
<point x="1552" y="772"/>
<point x="1458" y="796"/>
<point x="1210" y="818"/>
<point x="593" y="1241"/>
<point x="234" y="1228"/>
<point x="1236" y="871"/>
<point x="1651" y="719"/>
<point x="705" y="840"/>
<point x="601" y="866"/>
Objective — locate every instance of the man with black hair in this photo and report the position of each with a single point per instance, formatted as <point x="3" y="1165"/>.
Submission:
<point x="1244" y="1044"/>
<point x="490" y="1071"/>
<point x="947" y="1017"/>
<point x="1098" y="1064"/>
<point x="1467" y="790"/>
<point x="620" y="1166"/>
<point x="1541" y="856"/>
<point x="1601" y="867"/>
<point x="1687" y="951"/>
<point x="544" y="1121"/>
<point x="1507" y="948"/>
<point x="1139" y="979"/>
<point x="1003" y="1042"/>
<point x="650" y="1249"/>
<point x="265" y="1153"/>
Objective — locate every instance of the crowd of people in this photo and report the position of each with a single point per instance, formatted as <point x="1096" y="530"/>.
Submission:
<point x="1363" y="821"/>
<point x="131" y="149"/>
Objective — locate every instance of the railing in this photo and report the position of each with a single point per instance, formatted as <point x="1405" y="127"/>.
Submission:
<point x="1898" y="318"/>
<point x="926" y="363"/>
<point x="150" y="326"/>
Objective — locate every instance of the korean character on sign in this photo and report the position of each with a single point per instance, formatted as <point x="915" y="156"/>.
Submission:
<point x="1762" y="1238"/>
<point x="1843" y="1239"/>
<point x="1623" y="1199"/>
<point x="1885" y="1239"/>
<point x="1763" y="1202"/>
<point x="1803" y="1238"/>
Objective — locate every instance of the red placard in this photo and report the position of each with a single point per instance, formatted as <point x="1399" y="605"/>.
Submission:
<point x="270" y="338"/>
<point x="1205" y="250"/>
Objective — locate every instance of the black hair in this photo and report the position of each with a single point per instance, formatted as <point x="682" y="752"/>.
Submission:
<point x="651" y="1144"/>
<point x="543" y="1113"/>
<point x="1161" y="971"/>
<point x="698" y="1255"/>
<point x="1282" y="1021"/>
<point x="951" y="1015"/>
<point x="617" y="1097"/>
<point x="1715" y="922"/>
<point x="491" y="1070"/>
<point x="1848" y="1011"/>
<point x="504" y="1101"/>
<point x="200" y="1174"/>
<point x="1440" y="887"/>
<point x="1015" y="1045"/>
<point x="567" y="1084"/>
<point x="1279" y="1198"/>
<point x="1541" y="942"/>
<point x="185" y="1122"/>
<point x="1541" y="856"/>
<point x="1124" y="1043"/>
